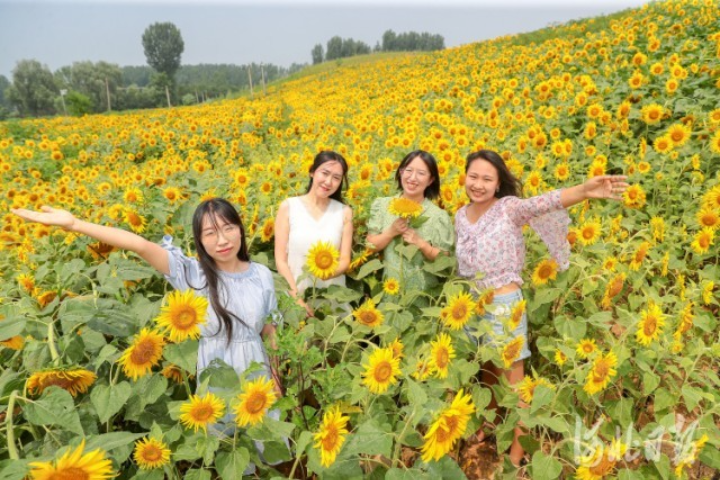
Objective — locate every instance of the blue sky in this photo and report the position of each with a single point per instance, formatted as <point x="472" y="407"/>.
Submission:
<point x="58" y="33"/>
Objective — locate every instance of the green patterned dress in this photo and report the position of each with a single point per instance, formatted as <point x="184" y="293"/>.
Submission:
<point x="437" y="230"/>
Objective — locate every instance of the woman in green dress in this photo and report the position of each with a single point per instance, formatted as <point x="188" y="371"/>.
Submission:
<point x="418" y="180"/>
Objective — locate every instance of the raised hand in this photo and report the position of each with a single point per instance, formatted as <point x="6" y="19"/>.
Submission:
<point x="47" y="216"/>
<point x="398" y="227"/>
<point x="606" y="186"/>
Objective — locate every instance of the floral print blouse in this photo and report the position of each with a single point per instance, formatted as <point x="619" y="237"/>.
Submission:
<point x="494" y="245"/>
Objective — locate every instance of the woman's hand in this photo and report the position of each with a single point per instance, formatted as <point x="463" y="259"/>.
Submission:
<point x="398" y="227"/>
<point x="606" y="186"/>
<point x="277" y="384"/>
<point x="309" y="311"/>
<point x="411" y="236"/>
<point x="47" y="216"/>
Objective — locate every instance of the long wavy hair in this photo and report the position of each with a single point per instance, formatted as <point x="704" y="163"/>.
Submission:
<point x="509" y="184"/>
<point x="214" y="209"/>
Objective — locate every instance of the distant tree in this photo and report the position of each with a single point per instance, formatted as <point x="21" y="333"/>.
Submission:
<point x="334" y="48"/>
<point x="93" y="80"/>
<point x="388" y="41"/>
<point x="164" y="46"/>
<point x="411" y="41"/>
<point x="5" y="105"/>
<point x="33" y="90"/>
<point x="78" y="104"/>
<point x="317" y="54"/>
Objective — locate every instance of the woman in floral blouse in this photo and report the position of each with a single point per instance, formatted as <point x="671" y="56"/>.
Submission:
<point x="490" y="243"/>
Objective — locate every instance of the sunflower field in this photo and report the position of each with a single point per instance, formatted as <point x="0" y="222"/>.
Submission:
<point x="98" y="365"/>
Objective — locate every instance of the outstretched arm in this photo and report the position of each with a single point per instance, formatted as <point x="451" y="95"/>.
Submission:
<point x="603" y="186"/>
<point x="151" y="252"/>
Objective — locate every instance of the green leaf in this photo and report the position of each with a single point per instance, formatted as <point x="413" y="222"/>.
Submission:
<point x="370" y="438"/>
<point x="197" y="474"/>
<point x="446" y="468"/>
<point x="545" y="467"/>
<point x="109" y="399"/>
<point x="341" y="294"/>
<point x="370" y="267"/>
<point x="416" y="394"/>
<point x="305" y="439"/>
<point x="110" y="441"/>
<point x="546" y="295"/>
<point x="650" y="382"/>
<point x="11" y="327"/>
<point x="184" y="355"/>
<point x="405" y="474"/>
<point x="71" y="269"/>
<point x="55" y="407"/>
<point x="231" y="465"/>
<point x="571" y="328"/>
<point x="275" y="452"/>
<point x="692" y="396"/>
<point x="541" y="396"/>
<point x="270" y="429"/>
<point x="441" y="262"/>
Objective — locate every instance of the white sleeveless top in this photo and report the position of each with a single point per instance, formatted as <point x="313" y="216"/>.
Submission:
<point x="306" y="231"/>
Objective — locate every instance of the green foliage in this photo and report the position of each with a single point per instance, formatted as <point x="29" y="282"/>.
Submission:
<point x="163" y="46"/>
<point x="33" y="90"/>
<point x="78" y="104"/>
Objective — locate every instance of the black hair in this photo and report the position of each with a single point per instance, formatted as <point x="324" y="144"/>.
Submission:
<point x="509" y="184"/>
<point x="217" y="208"/>
<point x="329" y="156"/>
<point x="432" y="191"/>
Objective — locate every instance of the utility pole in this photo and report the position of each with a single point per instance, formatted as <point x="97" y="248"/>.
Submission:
<point x="62" y="97"/>
<point x="250" y="79"/>
<point x="167" y="94"/>
<point x="262" y="73"/>
<point x="107" y="92"/>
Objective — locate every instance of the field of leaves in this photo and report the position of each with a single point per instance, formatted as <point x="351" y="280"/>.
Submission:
<point x="625" y="341"/>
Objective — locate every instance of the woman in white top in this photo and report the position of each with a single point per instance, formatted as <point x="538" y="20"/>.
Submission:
<point x="319" y="215"/>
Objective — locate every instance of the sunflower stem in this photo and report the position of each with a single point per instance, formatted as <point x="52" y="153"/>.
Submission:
<point x="51" y="341"/>
<point x="12" y="448"/>
<point x="398" y="445"/>
<point x="294" y="467"/>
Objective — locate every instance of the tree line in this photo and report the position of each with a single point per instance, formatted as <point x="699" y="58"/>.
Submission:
<point x="87" y="87"/>
<point x="338" y="47"/>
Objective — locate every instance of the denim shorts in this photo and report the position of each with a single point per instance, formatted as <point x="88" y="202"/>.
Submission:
<point x="502" y="306"/>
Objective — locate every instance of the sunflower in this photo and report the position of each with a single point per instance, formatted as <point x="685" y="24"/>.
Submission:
<point x="562" y="171"/>
<point x="368" y="315"/>
<point x="486" y="298"/>
<point x="144" y="353"/>
<point x="331" y="435"/>
<point x="382" y="370"/>
<point x="422" y="371"/>
<point x="322" y="260"/>
<point x="13" y="343"/>
<point x="397" y="348"/>
<point x="560" y="357"/>
<point x="26" y="281"/>
<point x="449" y="426"/>
<point x="516" y="314"/>
<point x="151" y="453"/>
<point x="100" y="250"/>
<point x="511" y="351"/>
<point x="703" y="240"/>
<point x="657" y="224"/>
<point x="652" y="113"/>
<point x="198" y="412"/>
<point x="528" y="385"/>
<point x="255" y="400"/>
<point x="459" y="309"/>
<point x="545" y="271"/>
<point x="183" y="315"/>
<point x="360" y="260"/>
<point x="602" y="371"/>
<point x="405" y="208"/>
<point x="663" y="144"/>
<point x="172" y="194"/>
<point x="715" y="143"/>
<point x="707" y="292"/>
<point x="267" y="230"/>
<point x="712" y="198"/>
<point x="391" y="286"/>
<point x="639" y="256"/>
<point x="75" y="380"/>
<point x="586" y="347"/>
<point x="612" y="290"/>
<point x="686" y="319"/>
<point x="650" y="326"/>
<point x="133" y="195"/>
<point x="679" y="133"/>
<point x="174" y="373"/>
<point x="688" y="456"/>
<point x="441" y="353"/>
<point x="609" y="264"/>
<point x="601" y="462"/>
<point x="136" y="221"/>
<point x="708" y="217"/>
<point x="75" y="465"/>
<point x="589" y="232"/>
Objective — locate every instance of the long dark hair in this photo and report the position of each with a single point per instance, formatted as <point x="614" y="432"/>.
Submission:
<point x="329" y="156"/>
<point x="432" y="191"/>
<point x="218" y="208"/>
<point x="509" y="184"/>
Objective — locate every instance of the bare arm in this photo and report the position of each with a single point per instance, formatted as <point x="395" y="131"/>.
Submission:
<point x="346" y="242"/>
<point x="381" y="240"/>
<point x="429" y="252"/>
<point x="282" y="236"/>
<point x="603" y="186"/>
<point x="151" y="252"/>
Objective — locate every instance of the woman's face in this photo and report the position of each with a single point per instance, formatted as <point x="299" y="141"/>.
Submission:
<point x="481" y="181"/>
<point x="327" y="178"/>
<point x="415" y="177"/>
<point x="221" y="240"/>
